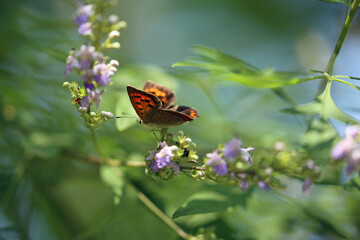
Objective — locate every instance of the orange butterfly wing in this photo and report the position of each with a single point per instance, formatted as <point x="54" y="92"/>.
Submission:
<point x="143" y="102"/>
<point x="164" y="94"/>
<point x="191" y="112"/>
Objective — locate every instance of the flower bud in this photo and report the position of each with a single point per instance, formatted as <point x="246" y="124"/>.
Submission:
<point x="107" y="115"/>
<point x="114" y="34"/>
<point x="83" y="109"/>
<point x="92" y="114"/>
<point x="169" y="137"/>
<point x="113" y="45"/>
<point x="122" y="24"/>
<point x="113" y="18"/>
<point x="113" y="63"/>
<point x="66" y="84"/>
<point x="201" y="174"/>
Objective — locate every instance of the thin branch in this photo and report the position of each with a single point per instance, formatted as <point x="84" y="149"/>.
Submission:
<point x="148" y="203"/>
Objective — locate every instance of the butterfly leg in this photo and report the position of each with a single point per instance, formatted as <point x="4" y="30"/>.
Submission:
<point x="156" y="137"/>
<point x="163" y="133"/>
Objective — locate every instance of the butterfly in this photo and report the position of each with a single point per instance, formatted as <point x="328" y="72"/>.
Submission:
<point x="154" y="106"/>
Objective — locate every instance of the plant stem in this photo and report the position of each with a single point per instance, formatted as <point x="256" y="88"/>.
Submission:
<point x="115" y="162"/>
<point x="97" y="146"/>
<point x="341" y="39"/>
<point x="339" y="43"/>
<point x="148" y="203"/>
<point x="200" y="168"/>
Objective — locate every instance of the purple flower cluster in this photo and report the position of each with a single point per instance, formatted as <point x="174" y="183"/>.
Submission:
<point x="93" y="70"/>
<point x="217" y="162"/>
<point x="349" y="148"/>
<point x="82" y="18"/>
<point x="232" y="150"/>
<point x="162" y="158"/>
<point x="224" y="160"/>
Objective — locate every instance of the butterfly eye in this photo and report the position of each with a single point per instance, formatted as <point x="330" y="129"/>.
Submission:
<point x="139" y="121"/>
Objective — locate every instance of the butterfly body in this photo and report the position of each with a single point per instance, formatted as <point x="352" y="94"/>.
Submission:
<point x="154" y="106"/>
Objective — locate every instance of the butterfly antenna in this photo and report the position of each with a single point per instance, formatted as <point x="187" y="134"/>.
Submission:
<point x="126" y="115"/>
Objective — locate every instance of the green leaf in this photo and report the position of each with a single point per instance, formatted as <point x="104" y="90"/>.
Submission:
<point x="233" y="69"/>
<point x="210" y="202"/>
<point x="321" y="132"/>
<point x="335" y="1"/>
<point x="123" y="106"/>
<point x="113" y="177"/>
<point x="324" y="106"/>
<point x="266" y="79"/>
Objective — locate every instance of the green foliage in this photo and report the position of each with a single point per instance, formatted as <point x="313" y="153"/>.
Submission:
<point x="54" y="183"/>
<point x="210" y="202"/>
<point x="324" y="106"/>
<point x="226" y="67"/>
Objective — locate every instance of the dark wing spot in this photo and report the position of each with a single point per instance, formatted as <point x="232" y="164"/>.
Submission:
<point x="147" y="100"/>
<point x="151" y="105"/>
<point x="138" y="103"/>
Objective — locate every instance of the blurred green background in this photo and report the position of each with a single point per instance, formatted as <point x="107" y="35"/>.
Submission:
<point x="47" y="190"/>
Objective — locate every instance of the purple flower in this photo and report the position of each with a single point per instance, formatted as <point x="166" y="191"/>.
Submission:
<point x="219" y="164"/>
<point x="353" y="161"/>
<point x="175" y="166"/>
<point x="83" y="13"/>
<point x="307" y="185"/>
<point x="343" y="147"/>
<point x="71" y="64"/>
<point x="88" y="78"/>
<point x="85" y="29"/>
<point x="352" y="131"/>
<point x="164" y="156"/>
<point x="263" y="185"/>
<point x="154" y="166"/>
<point x="151" y="155"/>
<point x="86" y="55"/>
<point x="102" y="74"/>
<point x="220" y="169"/>
<point x="232" y="148"/>
<point x="92" y="97"/>
<point x="214" y="158"/>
